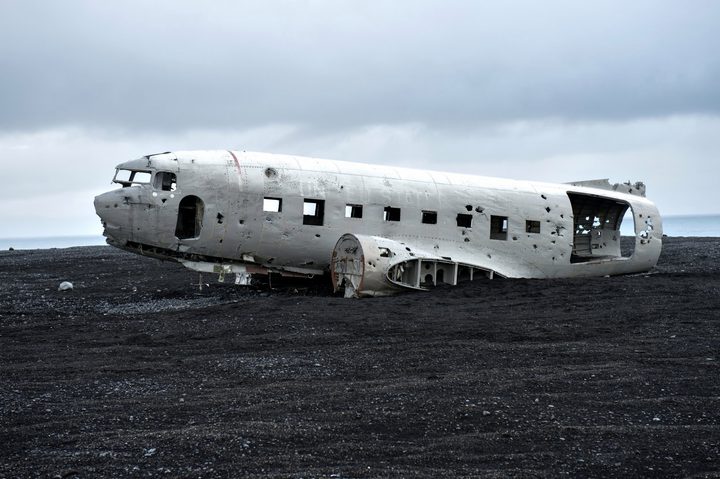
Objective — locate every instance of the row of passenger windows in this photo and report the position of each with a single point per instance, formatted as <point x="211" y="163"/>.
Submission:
<point x="314" y="213"/>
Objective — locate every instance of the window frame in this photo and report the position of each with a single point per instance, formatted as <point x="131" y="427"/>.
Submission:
<point x="533" y="226"/>
<point x="464" y="220"/>
<point x="391" y="213"/>
<point x="272" y="198"/>
<point x="351" y="209"/>
<point x="159" y="181"/>
<point x="318" y="218"/>
<point x="429" y="215"/>
<point x="499" y="227"/>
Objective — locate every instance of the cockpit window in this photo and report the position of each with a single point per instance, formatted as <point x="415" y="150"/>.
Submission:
<point x="131" y="177"/>
<point x="165" y="181"/>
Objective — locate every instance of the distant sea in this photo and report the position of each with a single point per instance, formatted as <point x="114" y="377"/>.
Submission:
<point x="50" y="242"/>
<point x="701" y="225"/>
<point x="683" y="225"/>
<point x="690" y="225"/>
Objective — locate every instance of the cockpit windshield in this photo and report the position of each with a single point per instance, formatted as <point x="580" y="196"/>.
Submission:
<point x="132" y="177"/>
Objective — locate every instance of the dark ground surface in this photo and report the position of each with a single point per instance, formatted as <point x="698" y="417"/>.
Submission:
<point x="135" y="373"/>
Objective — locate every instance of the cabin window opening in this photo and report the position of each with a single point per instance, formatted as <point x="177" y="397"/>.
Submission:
<point x="429" y="217"/>
<point x="313" y="212"/>
<point x="165" y="181"/>
<point x="353" y="211"/>
<point x="190" y="217"/>
<point x="464" y="221"/>
<point x="273" y="205"/>
<point x="498" y="227"/>
<point x="391" y="214"/>
<point x="130" y="177"/>
<point x="532" y="226"/>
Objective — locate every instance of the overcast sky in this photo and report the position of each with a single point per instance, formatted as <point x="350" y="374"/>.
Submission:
<point x="547" y="90"/>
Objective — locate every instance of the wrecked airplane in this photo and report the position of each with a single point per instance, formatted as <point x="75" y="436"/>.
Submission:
<point x="376" y="229"/>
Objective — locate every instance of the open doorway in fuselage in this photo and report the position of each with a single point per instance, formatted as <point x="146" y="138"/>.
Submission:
<point x="597" y="224"/>
<point x="190" y="217"/>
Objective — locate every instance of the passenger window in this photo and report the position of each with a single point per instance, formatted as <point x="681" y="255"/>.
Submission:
<point x="273" y="205"/>
<point x="165" y="181"/>
<point x="464" y="221"/>
<point x="353" y="211"/>
<point x="532" y="226"/>
<point x="498" y="227"/>
<point x="313" y="212"/>
<point x="391" y="214"/>
<point x="429" y="217"/>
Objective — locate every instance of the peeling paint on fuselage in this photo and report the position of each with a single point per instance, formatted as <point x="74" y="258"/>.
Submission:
<point x="236" y="230"/>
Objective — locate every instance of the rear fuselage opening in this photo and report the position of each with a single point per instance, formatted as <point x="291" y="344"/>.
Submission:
<point x="596" y="227"/>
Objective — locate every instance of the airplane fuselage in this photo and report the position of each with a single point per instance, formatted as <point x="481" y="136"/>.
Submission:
<point x="265" y="212"/>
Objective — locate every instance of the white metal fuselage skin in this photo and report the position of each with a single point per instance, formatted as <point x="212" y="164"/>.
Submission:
<point x="512" y="228"/>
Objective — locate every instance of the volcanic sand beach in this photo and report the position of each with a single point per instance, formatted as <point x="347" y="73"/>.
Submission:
<point x="135" y="372"/>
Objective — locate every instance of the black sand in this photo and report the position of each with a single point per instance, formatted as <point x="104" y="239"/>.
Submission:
<point x="135" y="373"/>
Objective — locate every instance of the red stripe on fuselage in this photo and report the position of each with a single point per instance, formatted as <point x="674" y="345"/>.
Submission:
<point x="237" y="163"/>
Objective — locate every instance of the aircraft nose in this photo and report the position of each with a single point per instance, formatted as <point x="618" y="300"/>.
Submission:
<point x="113" y="213"/>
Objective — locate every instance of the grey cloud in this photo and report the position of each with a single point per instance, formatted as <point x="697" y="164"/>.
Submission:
<point x="180" y="65"/>
<point x="55" y="174"/>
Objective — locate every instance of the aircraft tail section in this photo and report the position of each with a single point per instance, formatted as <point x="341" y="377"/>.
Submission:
<point x="637" y="188"/>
